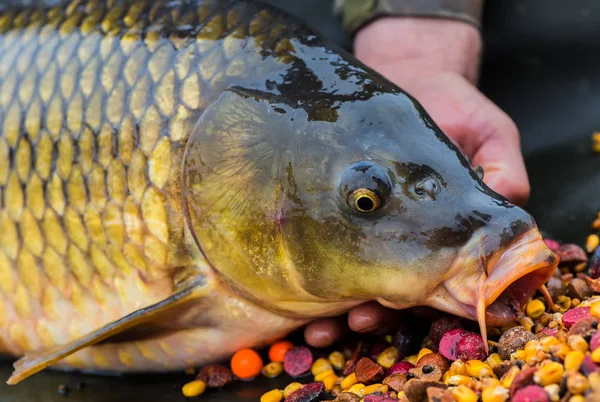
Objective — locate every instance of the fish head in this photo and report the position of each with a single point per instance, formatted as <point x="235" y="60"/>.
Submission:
<point x="311" y="210"/>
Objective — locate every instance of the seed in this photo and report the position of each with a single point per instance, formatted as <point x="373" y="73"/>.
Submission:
<point x="592" y="242"/>
<point x="294" y="386"/>
<point x="577" y="384"/>
<point x="323" y="375"/>
<point x="320" y="365"/>
<point x="577" y="398"/>
<point x="494" y="360"/>
<point x="596" y="355"/>
<point x="553" y="391"/>
<point x="477" y="369"/>
<point x="371" y="389"/>
<point x="193" y="388"/>
<point x="458" y="368"/>
<point x="464" y="394"/>
<point x="272" y="369"/>
<point x="596" y="142"/>
<point x="595" y="310"/>
<point x="550" y="373"/>
<point x="412" y="359"/>
<point x="494" y="394"/>
<point x="509" y="376"/>
<point x="329" y="382"/>
<point x="349" y="381"/>
<point x="560" y="351"/>
<point x="423" y="352"/>
<point x="535" y="308"/>
<point x="388" y="357"/>
<point x="573" y="360"/>
<point x="576" y="342"/>
<point x="274" y="395"/>
<point x="355" y="388"/>
<point x="596" y="224"/>
<point x="337" y="360"/>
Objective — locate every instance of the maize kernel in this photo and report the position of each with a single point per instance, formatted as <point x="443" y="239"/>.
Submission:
<point x="272" y="369"/>
<point x="388" y="338"/>
<point x="423" y="352"/>
<point x="595" y="309"/>
<point x="401" y="395"/>
<point x="509" y="376"/>
<point x="476" y="368"/>
<point x="596" y="224"/>
<point x="577" y="398"/>
<point x="548" y="341"/>
<point x="458" y="368"/>
<point x="321" y="376"/>
<point x="573" y="360"/>
<point x="458" y="379"/>
<point x="518" y="355"/>
<point x="577" y="384"/>
<point x="550" y="373"/>
<point x="349" y="381"/>
<point x="412" y="359"/>
<point x="193" y="388"/>
<point x="553" y="391"/>
<point x="337" y="360"/>
<point x="560" y="351"/>
<point x="274" y="395"/>
<point x="531" y="346"/>
<point x="294" y="386"/>
<point x="388" y="357"/>
<point x="355" y="388"/>
<point x="464" y="394"/>
<point x="490" y="382"/>
<point x="329" y="382"/>
<point x="576" y="342"/>
<point x="596" y="355"/>
<point x="494" y="360"/>
<point x="371" y="389"/>
<point x="445" y="377"/>
<point x="535" y="308"/>
<point x="320" y="365"/>
<point x="592" y="242"/>
<point x="494" y="394"/>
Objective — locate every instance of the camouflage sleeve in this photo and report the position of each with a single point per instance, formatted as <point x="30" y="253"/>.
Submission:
<point x="357" y="13"/>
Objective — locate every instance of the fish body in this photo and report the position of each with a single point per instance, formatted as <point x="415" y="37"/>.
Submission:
<point x="181" y="179"/>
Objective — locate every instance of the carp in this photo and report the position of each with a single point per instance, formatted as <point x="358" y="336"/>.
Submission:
<point x="181" y="179"/>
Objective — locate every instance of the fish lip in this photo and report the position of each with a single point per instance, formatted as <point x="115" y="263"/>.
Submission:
<point x="506" y="287"/>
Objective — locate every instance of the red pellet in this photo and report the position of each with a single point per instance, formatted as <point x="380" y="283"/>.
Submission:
<point x="532" y="393"/>
<point x="471" y="347"/>
<point x="449" y="342"/>
<point x="306" y="393"/>
<point x="400" y="368"/>
<point x="547" y="332"/>
<point x="523" y="379"/>
<point x="297" y="361"/>
<point x="441" y="326"/>
<point x="378" y="398"/>
<point x="595" y="341"/>
<point x="571" y="317"/>
<point x="588" y="366"/>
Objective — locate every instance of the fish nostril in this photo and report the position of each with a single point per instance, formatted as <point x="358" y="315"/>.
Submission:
<point x="427" y="188"/>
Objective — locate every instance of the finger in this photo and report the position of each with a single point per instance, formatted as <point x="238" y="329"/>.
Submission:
<point x="324" y="332"/>
<point x="372" y="317"/>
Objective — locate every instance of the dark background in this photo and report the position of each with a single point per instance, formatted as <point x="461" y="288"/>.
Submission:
<point x="542" y="66"/>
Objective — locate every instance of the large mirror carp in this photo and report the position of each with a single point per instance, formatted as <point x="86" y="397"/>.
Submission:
<point x="181" y="179"/>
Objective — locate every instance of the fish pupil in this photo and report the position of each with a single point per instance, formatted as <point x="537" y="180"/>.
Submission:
<point x="364" y="203"/>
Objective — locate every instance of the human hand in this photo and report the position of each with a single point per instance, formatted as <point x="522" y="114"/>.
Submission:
<point x="436" y="62"/>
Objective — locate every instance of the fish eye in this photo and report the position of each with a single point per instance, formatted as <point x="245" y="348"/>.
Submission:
<point x="364" y="187"/>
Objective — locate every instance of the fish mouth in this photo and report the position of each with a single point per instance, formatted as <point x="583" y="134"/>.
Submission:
<point x="494" y="292"/>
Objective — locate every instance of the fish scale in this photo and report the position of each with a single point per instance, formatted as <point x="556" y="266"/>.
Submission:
<point x="97" y="101"/>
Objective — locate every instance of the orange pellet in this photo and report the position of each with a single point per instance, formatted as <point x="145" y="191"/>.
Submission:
<point x="278" y="350"/>
<point x="246" y="363"/>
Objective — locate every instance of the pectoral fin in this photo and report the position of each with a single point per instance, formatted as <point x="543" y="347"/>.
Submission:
<point x="34" y="362"/>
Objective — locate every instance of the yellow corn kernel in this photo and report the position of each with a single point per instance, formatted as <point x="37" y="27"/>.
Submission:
<point x="272" y="369"/>
<point x="388" y="338"/>
<point x="371" y="389"/>
<point x="494" y="394"/>
<point x="547" y="342"/>
<point x="355" y="388"/>
<point x="592" y="242"/>
<point x="388" y="357"/>
<point x="577" y="383"/>
<point x="445" y="377"/>
<point x="494" y="360"/>
<point x="412" y="359"/>
<point x="337" y="360"/>
<point x="323" y="375"/>
<point x="463" y="393"/>
<point x="595" y="310"/>
<point x="531" y="346"/>
<point x="423" y="352"/>
<point x="458" y="379"/>
<point x="329" y="382"/>
<point x="518" y="355"/>
<point x="553" y="391"/>
<point x="401" y="395"/>
<point x="490" y="382"/>
<point x="294" y="386"/>
<point x="349" y="381"/>
<point x="576" y="342"/>
<point x="193" y="388"/>
<point x="560" y="351"/>
<point x="476" y="368"/>
<point x="535" y="308"/>
<point x="596" y="355"/>
<point x="274" y="395"/>
<point x="577" y="398"/>
<point x="509" y="376"/>
<point x="458" y="368"/>
<point x="550" y="373"/>
<point x="573" y="360"/>
<point x="320" y="365"/>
